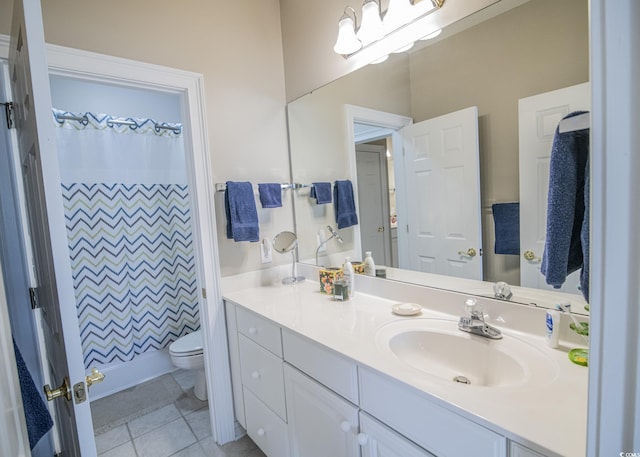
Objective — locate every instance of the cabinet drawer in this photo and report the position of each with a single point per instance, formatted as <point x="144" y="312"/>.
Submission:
<point x="331" y="369"/>
<point x="440" y="431"/>
<point x="265" y="428"/>
<point x="262" y="375"/>
<point x="260" y="330"/>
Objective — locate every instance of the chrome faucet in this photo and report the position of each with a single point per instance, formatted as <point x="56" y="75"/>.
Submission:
<point x="474" y="322"/>
<point x="502" y="291"/>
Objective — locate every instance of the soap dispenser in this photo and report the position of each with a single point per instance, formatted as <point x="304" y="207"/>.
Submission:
<point x="369" y="264"/>
<point x="348" y="275"/>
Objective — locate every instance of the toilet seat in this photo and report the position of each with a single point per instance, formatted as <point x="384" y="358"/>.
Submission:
<point x="187" y="345"/>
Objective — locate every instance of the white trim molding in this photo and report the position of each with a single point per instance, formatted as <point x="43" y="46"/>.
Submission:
<point x="614" y="364"/>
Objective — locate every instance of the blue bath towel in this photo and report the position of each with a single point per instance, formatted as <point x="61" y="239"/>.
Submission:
<point x="506" y="217"/>
<point x="241" y="212"/>
<point x="567" y="239"/>
<point x="270" y="195"/>
<point x="344" y="204"/>
<point x="37" y="415"/>
<point x="321" y="191"/>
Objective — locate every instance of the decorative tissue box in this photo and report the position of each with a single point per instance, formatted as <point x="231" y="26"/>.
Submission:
<point x="358" y="267"/>
<point x="327" y="276"/>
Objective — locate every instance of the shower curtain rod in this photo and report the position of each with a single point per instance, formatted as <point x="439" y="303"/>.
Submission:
<point x="83" y="119"/>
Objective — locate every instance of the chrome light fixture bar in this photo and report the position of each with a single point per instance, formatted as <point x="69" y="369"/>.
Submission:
<point x="379" y="35"/>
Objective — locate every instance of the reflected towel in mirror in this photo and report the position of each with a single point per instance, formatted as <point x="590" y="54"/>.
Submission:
<point x="270" y="195"/>
<point x="567" y="237"/>
<point x="344" y="204"/>
<point x="506" y="217"/>
<point x="321" y="191"/>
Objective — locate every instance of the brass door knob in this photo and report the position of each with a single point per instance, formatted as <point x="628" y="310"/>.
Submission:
<point x="63" y="391"/>
<point x="380" y="229"/>
<point x="469" y="252"/>
<point x="95" y="377"/>
<point x="531" y="256"/>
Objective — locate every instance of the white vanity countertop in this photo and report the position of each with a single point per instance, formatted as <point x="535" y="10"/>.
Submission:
<point x="552" y="416"/>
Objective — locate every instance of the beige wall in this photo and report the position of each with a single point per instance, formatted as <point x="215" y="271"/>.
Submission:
<point x="237" y="46"/>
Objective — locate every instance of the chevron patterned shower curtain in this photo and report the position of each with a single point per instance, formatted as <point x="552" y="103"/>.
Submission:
<point x="128" y="220"/>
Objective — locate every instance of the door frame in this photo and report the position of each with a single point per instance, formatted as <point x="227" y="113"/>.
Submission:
<point x="89" y="66"/>
<point x="393" y="122"/>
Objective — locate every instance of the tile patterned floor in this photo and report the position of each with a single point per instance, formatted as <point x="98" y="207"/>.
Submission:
<point x="180" y="429"/>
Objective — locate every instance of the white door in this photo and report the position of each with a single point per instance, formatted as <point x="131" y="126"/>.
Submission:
<point x="442" y="170"/>
<point x="321" y="424"/>
<point x="539" y="116"/>
<point x="373" y="201"/>
<point x="38" y="158"/>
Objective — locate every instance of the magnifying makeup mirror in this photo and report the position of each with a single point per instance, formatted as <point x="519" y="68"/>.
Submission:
<point x="288" y="242"/>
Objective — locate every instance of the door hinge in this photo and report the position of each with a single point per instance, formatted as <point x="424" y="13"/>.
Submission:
<point x="204" y="293"/>
<point x="8" y="111"/>
<point x="33" y="297"/>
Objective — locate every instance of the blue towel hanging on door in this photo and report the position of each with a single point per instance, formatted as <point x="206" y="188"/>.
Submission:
<point x="36" y="414"/>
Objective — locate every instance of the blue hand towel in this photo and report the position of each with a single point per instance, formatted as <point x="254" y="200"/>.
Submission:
<point x="241" y="212"/>
<point x="37" y="415"/>
<point x="566" y="246"/>
<point x="506" y="217"/>
<point x="270" y="195"/>
<point x="344" y="205"/>
<point x="321" y="191"/>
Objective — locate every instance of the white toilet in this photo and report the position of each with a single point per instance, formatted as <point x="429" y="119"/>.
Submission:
<point x="186" y="353"/>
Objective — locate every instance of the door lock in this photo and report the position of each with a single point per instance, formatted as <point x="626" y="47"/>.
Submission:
<point x="94" y="378"/>
<point x="63" y="391"/>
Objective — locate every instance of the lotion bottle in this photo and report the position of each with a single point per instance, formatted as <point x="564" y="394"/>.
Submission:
<point x="553" y="328"/>
<point x="349" y="275"/>
<point x="369" y="264"/>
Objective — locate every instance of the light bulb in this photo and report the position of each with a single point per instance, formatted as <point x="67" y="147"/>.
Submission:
<point x="398" y="14"/>
<point x="347" y="42"/>
<point x="432" y="35"/>
<point x="404" y="48"/>
<point x="371" y="27"/>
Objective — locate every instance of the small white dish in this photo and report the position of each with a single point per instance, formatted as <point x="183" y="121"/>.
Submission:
<point x="406" y="309"/>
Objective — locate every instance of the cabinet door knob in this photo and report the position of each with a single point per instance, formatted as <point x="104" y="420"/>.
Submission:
<point x="255" y="374"/>
<point x="362" y="439"/>
<point x="261" y="432"/>
<point x="345" y="426"/>
<point x="253" y="330"/>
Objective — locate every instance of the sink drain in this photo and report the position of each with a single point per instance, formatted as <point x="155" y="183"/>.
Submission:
<point x="462" y="380"/>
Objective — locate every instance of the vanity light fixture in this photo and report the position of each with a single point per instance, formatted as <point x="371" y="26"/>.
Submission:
<point x="380" y="34"/>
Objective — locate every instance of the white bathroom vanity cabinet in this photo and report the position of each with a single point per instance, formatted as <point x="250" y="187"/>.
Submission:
<point x="299" y="397"/>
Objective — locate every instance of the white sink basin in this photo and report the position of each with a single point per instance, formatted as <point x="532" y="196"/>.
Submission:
<point x="436" y="347"/>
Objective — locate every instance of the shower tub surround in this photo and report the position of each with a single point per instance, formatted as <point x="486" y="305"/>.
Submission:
<point x="544" y="419"/>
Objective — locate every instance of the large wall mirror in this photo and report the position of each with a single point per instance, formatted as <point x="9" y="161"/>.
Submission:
<point x="352" y="129"/>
